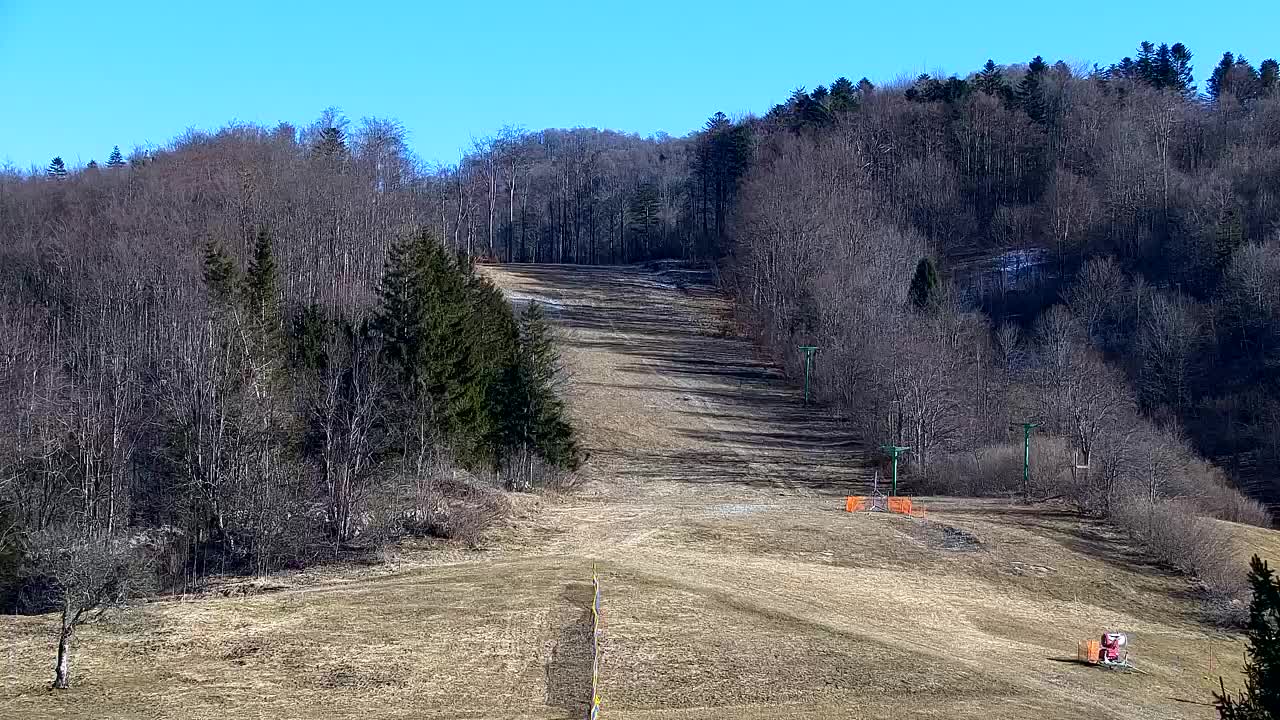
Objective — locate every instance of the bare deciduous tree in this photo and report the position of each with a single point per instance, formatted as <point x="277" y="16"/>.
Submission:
<point x="83" y="576"/>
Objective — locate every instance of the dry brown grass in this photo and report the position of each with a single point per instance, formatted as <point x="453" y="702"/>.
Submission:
<point x="733" y="585"/>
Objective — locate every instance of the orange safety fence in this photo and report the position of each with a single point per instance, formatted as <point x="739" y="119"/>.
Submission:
<point x="900" y="505"/>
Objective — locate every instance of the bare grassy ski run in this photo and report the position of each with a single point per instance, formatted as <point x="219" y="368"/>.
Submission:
<point x="734" y="585"/>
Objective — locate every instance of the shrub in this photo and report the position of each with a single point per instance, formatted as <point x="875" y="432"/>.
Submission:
<point x="1174" y="535"/>
<point x="1216" y="497"/>
<point x="997" y="470"/>
<point x="456" y="506"/>
<point x="530" y="472"/>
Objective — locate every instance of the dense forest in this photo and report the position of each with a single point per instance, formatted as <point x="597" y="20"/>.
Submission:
<point x="271" y="343"/>
<point x="246" y="352"/>
<point x="1139" y="321"/>
<point x="1119" y="219"/>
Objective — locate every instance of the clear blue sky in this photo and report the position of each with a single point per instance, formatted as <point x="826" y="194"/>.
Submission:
<point x="78" y="77"/>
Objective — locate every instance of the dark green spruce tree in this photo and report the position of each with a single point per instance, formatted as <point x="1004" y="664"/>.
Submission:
<point x="57" y="169"/>
<point x="496" y="340"/>
<point x="1215" y="84"/>
<point x="219" y="273"/>
<point x="11" y="554"/>
<point x="991" y="81"/>
<point x="261" y="299"/>
<point x="115" y="160"/>
<point x="425" y="321"/>
<point x="1269" y="76"/>
<point x="332" y="143"/>
<point x="261" y="280"/>
<point x="1236" y="77"/>
<point x="1030" y="91"/>
<point x="534" y="421"/>
<point x="843" y="95"/>
<point x="1230" y="236"/>
<point x="643" y="223"/>
<point x="924" y="285"/>
<point x="1260" y="698"/>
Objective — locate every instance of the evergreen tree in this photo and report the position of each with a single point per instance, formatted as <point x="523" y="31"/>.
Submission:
<point x="1030" y="92"/>
<point x="865" y="88"/>
<point x="806" y="110"/>
<point x="1181" y="78"/>
<point x="425" y="322"/>
<point x="1269" y="76"/>
<point x="1260" y="698"/>
<point x="1213" y="86"/>
<point x="455" y="376"/>
<point x="1166" y="67"/>
<point x="308" y="333"/>
<point x="1125" y="69"/>
<point x="57" y="169"/>
<point x="951" y="91"/>
<point x="1145" y="66"/>
<point x="1229" y="238"/>
<point x="924" y="285"/>
<point x="843" y="95"/>
<point x="261" y="280"/>
<point x="115" y="160"/>
<point x="990" y="80"/>
<point x="915" y="93"/>
<point x="332" y="143"/>
<point x="399" y="311"/>
<point x="496" y="339"/>
<point x="219" y="273"/>
<point x="534" y="418"/>
<point x="262" y="297"/>
<point x="721" y="156"/>
<point x="11" y="554"/>
<point x="643" y="223"/>
<point x="93" y="165"/>
<point x="1234" y="76"/>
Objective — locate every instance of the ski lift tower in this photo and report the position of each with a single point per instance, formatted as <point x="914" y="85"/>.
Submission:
<point x="894" y="451"/>
<point x="808" y="351"/>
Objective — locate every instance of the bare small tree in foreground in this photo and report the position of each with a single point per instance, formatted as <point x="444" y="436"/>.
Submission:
<point x="85" y="576"/>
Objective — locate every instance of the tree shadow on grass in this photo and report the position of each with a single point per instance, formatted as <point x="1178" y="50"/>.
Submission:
<point x="568" y="670"/>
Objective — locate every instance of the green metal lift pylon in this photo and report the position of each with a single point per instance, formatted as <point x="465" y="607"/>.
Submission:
<point x="808" y="351"/>
<point x="894" y="451"/>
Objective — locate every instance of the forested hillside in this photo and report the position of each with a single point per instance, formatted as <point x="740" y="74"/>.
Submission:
<point x="1121" y="209"/>
<point x="1139" y="321"/>
<point x="258" y="337"/>
<point x="251" y="351"/>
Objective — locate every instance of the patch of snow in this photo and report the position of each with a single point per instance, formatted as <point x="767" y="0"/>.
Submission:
<point x="741" y="508"/>
<point x="1016" y="262"/>
<point x="643" y="282"/>
<point x="546" y="302"/>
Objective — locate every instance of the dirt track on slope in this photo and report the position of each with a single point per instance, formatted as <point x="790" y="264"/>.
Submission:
<point x="734" y="586"/>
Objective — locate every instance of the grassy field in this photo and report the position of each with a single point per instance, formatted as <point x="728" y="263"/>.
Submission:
<point x="733" y="584"/>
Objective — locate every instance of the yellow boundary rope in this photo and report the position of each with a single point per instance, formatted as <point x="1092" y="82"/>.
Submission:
<point x="595" y="645"/>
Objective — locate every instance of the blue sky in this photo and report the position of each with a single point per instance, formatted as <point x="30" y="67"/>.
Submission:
<point x="79" y="77"/>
